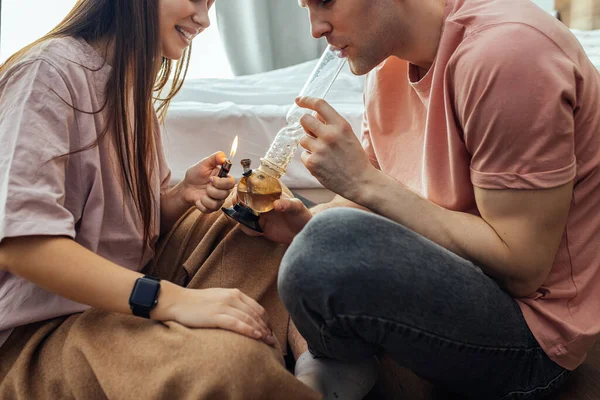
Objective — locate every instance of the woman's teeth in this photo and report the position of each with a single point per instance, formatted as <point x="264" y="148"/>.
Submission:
<point x="187" y="35"/>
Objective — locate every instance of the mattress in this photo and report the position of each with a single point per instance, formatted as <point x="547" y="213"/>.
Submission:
<point x="590" y="40"/>
<point x="208" y="113"/>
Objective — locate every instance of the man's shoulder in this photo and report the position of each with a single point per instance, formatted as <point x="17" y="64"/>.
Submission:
<point x="476" y="14"/>
<point x="507" y="25"/>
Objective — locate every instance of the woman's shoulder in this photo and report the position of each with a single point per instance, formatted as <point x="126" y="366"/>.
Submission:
<point x="73" y="59"/>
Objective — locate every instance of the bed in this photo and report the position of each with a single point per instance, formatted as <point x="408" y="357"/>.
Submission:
<point x="208" y="113"/>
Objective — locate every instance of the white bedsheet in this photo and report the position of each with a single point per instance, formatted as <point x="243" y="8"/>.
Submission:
<point x="208" y="113"/>
<point x="590" y="40"/>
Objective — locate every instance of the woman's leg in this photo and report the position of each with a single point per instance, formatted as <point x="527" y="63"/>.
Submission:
<point x="99" y="355"/>
<point x="356" y="284"/>
<point x="209" y="250"/>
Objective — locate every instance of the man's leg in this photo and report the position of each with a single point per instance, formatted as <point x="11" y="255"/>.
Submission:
<point x="356" y="284"/>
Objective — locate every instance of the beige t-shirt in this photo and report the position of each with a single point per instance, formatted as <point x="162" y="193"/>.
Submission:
<point x="511" y="102"/>
<point x="79" y="196"/>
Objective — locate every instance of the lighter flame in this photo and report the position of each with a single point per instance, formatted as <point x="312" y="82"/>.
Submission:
<point x="233" y="147"/>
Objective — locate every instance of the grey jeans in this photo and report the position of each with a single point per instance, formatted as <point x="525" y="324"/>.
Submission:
<point x="357" y="284"/>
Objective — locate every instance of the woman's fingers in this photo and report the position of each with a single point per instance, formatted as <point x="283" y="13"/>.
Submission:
<point x="214" y="160"/>
<point x="248" y="323"/>
<point x="236" y="298"/>
<point x="206" y="205"/>
<point x="216" y="193"/>
<point x="248" y="320"/>
<point x="231" y="323"/>
<point x="224" y="184"/>
<point x="256" y="309"/>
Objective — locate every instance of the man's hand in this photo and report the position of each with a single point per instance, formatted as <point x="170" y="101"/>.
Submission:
<point x="333" y="153"/>
<point x="284" y="222"/>
<point x="203" y="188"/>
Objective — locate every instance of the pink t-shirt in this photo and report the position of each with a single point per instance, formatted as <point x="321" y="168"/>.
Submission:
<point x="79" y="196"/>
<point x="511" y="102"/>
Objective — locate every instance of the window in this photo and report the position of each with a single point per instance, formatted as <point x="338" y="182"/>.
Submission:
<point x="24" y="21"/>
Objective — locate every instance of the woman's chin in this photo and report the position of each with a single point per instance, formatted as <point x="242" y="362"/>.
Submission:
<point x="173" y="54"/>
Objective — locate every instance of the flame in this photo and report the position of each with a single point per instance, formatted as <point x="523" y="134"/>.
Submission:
<point x="234" y="147"/>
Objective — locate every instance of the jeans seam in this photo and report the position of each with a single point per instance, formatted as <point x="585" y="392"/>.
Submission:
<point x="324" y="339"/>
<point x="529" y="392"/>
<point x="431" y="334"/>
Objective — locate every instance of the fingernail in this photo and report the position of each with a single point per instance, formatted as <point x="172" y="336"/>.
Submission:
<point x="271" y="339"/>
<point x="257" y="334"/>
<point x="211" y="179"/>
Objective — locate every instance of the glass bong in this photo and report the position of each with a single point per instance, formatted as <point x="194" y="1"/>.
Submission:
<point x="259" y="188"/>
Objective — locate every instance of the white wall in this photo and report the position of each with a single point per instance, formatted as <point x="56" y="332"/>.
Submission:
<point x="24" y="21"/>
<point x="547" y="5"/>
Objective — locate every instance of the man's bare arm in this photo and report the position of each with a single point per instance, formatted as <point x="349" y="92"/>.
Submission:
<point x="515" y="240"/>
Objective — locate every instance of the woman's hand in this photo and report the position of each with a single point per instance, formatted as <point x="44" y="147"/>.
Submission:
<point x="228" y="309"/>
<point x="333" y="153"/>
<point x="203" y="188"/>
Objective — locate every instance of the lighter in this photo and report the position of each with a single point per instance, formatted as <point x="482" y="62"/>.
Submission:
<point x="227" y="165"/>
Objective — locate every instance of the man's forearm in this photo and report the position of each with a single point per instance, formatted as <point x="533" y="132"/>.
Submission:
<point x="466" y="235"/>
<point x="337" y="201"/>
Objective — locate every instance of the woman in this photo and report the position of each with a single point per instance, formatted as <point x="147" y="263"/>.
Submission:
<point x="84" y="197"/>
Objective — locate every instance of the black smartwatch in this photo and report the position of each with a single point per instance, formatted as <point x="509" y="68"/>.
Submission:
<point x="144" y="296"/>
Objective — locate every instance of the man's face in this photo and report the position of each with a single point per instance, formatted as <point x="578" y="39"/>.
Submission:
<point x="361" y="28"/>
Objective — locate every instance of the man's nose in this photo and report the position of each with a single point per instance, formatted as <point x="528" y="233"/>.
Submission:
<point x="319" y="28"/>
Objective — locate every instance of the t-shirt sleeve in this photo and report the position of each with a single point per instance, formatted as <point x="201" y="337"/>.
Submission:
<point x="36" y="124"/>
<point x="515" y="96"/>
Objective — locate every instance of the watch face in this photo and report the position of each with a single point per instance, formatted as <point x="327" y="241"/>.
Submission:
<point x="145" y="293"/>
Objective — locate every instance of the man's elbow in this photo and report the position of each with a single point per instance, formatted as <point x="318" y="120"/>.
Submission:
<point x="521" y="289"/>
<point x="527" y="284"/>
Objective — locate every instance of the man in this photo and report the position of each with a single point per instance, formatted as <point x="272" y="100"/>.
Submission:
<point x="463" y="240"/>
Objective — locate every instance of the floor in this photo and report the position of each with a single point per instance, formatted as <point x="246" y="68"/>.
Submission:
<point x="583" y="384"/>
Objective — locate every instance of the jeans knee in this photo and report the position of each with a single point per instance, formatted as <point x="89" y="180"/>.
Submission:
<point x="293" y="272"/>
<point x="323" y="256"/>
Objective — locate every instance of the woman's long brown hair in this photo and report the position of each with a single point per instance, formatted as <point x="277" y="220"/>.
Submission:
<point x="139" y="72"/>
